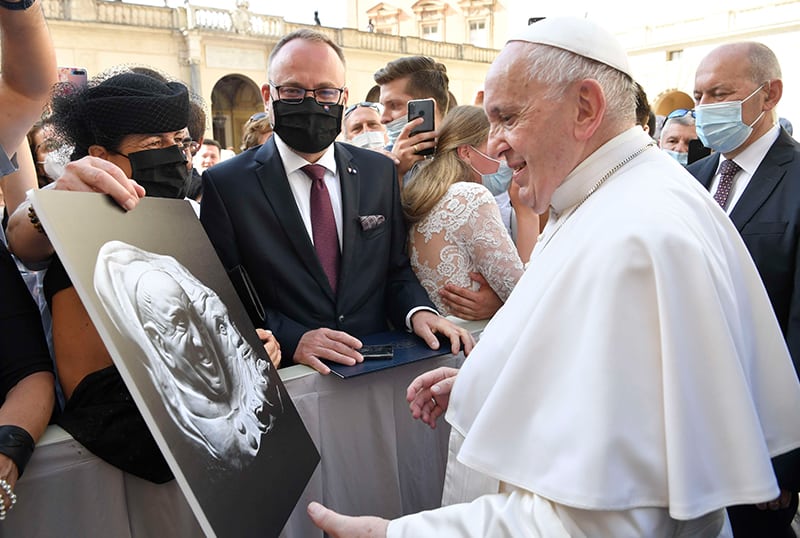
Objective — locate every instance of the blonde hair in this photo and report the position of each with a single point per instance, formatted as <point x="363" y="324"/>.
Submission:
<point x="253" y="130"/>
<point x="463" y="125"/>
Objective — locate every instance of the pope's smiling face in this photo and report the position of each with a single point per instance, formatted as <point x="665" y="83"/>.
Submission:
<point x="529" y="130"/>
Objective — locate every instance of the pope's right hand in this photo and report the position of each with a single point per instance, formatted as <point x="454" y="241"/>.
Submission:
<point x="429" y="394"/>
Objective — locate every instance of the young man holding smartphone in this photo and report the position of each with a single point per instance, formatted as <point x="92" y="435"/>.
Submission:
<point x="403" y="80"/>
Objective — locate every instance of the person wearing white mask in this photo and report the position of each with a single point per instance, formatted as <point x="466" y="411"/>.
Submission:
<point x="363" y="127"/>
<point x="455" y="224"/>
<point x="677" y="132"/>
<point x="755" y="177"/>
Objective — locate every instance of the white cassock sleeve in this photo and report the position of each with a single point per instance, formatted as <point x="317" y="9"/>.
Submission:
<point x="517" y="513"/>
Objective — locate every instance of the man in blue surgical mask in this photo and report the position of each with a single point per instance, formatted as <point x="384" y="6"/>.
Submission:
<point x="755" y="177"/>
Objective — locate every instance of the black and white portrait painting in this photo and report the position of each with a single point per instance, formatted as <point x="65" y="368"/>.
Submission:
<point x="214" y="386"/>
<point x="189" y="354"/>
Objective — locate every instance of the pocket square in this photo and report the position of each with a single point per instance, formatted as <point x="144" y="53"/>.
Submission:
<point x="368" y="222"/>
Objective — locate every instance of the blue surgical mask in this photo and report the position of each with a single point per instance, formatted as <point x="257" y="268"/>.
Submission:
<point x="393" y="129"/>
<point x="680" y="156"/>
<point x="498" y="182"/>
<point x="720" y="126"/>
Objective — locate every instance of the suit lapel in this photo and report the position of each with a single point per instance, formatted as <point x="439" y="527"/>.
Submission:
<point x="275" y="185"/>
<point x="764" y="180"/>
<point x="349" y="180"/>
<point x="706" y="173"/>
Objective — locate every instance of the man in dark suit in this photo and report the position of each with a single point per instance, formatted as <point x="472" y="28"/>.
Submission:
<point x="737" y="87"/>
<point x="317" y="225"/>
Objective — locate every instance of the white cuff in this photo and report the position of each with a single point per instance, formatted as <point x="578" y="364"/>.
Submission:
<point x="413" y="311"/>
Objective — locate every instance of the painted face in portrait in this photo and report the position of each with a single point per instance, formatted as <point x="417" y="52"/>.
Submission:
<point x="177" y="330"/>
<point x="211" y="381"/>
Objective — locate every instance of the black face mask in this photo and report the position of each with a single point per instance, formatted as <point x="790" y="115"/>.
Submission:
<point x="162" y="172"/>
<point x="307" y="127"/>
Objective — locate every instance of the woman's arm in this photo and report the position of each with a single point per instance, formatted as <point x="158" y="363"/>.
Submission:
<point x="88" y="174"/>
<point x="527" y="224"/>
<point x="17" y="184"/>
<point x="28" y="405"/>
<point x="493" y="251"/>
<point x="28" y="72"/>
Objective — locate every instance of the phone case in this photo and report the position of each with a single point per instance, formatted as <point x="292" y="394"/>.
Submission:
<point x="384" y="351"/>
<point x="73" y="75"/>
<point x="422" y="108"/>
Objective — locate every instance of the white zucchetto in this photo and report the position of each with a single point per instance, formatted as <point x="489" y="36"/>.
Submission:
<point x="581" y="36"/>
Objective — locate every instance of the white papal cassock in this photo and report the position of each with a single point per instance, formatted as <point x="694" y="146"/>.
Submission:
<point x="635" y="383"/>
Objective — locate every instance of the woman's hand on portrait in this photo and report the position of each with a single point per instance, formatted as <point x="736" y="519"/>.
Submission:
<point x="93" y="174"/>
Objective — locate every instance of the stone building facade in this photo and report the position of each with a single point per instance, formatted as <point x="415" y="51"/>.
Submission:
<point x="222" y="54"/>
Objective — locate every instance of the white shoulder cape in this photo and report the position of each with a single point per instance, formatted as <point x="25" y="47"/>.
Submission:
<point x="637" y="362"/>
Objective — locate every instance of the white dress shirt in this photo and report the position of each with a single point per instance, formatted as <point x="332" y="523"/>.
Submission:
<point x="300" y="184"/>
<point x="749" y="160"/>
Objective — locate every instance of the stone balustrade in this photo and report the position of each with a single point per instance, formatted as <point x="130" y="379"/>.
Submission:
<point x="53" y="9"/>
<point x="244" y="23"/>
<point x="134" y="15"/>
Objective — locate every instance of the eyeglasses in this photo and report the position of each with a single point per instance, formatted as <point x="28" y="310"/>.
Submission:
<point x="293" y="95"/>
<point x="191" y="145"/>
<point x="257" y="116"/>
<point x="678" y="113"/>
<point x="377" y="107"/>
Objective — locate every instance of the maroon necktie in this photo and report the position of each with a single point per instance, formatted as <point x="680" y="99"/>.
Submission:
<point x="727" y="171"/>
<point x="323" y="223"/>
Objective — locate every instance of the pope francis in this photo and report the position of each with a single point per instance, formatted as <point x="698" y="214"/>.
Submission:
<point x="636" y="382"/>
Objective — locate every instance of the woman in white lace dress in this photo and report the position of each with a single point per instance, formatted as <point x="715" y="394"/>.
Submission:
<point x="455" y="224"/>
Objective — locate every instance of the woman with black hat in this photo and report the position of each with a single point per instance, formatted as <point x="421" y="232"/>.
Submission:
<point x="135" y="123"/>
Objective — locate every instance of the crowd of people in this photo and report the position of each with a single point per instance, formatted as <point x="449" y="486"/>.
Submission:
<point x="639" y="371"/>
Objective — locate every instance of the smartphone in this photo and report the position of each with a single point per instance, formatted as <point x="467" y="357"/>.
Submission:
<point x="73" y="75"/>
<point x="422" y="108"/>
<point x="697" y="151"/>
<point x="383" y="351"/>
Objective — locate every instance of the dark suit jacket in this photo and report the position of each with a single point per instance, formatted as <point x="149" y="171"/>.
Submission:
<point x="250" y="215"/>
<point x="768" y="217"/>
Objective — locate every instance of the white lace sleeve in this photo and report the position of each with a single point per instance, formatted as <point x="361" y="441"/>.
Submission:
<point x="464" y="233"/>
<point x="491" y="248"/>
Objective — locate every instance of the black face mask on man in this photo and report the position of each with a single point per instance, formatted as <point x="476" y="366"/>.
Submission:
<point x="162" y="172"/>
<point x="307" y="127"/>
